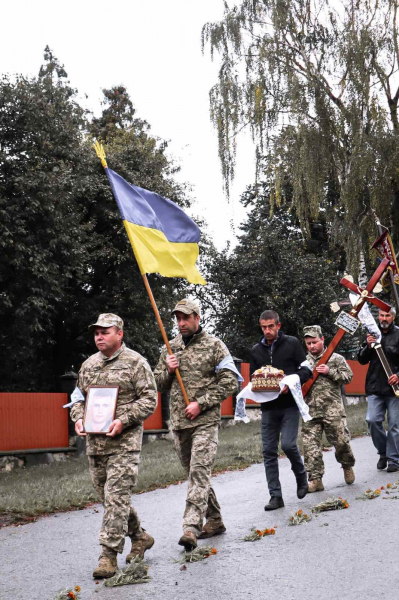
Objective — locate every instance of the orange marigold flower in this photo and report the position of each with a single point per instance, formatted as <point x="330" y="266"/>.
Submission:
<point x="71" y="595"/>
<point x="367" y="491"/>
<point x="299" y="513"/>
<point x="389" y="485"/>
<point x="272" y="532"/>
<point x="258" y="531"/>
<point x="77" y="588"/>
<point x="306" y="516"/>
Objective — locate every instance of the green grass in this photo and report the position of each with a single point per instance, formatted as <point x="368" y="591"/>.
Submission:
<point x="67" y="485"/>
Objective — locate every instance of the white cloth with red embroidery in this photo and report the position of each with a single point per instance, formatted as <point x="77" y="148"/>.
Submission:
<point x="295" y="387"/>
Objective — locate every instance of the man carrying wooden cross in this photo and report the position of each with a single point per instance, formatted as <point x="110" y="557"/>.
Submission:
<point x="380" y="395"/>
<point x="327" y="412"/>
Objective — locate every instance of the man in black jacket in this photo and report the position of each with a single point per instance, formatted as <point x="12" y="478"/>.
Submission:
<point x="380" y="396"/>
<point x="280" y="416"/>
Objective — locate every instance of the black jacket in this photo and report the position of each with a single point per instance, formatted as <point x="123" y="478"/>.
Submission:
<point x="287" y="354"/>
<point x="376" y="380"/>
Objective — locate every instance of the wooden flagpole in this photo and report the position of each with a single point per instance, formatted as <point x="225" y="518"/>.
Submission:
<point x="165" y="337"/>
<point x="101" y="155"/>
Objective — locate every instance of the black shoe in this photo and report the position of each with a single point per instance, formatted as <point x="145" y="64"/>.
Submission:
<point x="392" y="468"/>
<point x="382" y="463"/>
<point x="275" y="502"/>
<point x="302" y="486"/>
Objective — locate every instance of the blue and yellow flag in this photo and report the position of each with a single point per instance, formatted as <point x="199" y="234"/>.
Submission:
<point x="164" y="239"/>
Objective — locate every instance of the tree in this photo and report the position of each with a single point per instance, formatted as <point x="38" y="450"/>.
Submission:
<point x="270" y="268"/>
<point x="316" y="84"/>
<point x="65" y="256"/>
<point x="113" y="281"/>
<point x="42" y="240"/>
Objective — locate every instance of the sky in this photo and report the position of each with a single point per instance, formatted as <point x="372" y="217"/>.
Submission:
<point x="153" y="48"/>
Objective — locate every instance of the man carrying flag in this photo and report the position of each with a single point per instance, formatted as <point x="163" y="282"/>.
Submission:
<point x="165" y="240"/>
<point x="209" y="376"/>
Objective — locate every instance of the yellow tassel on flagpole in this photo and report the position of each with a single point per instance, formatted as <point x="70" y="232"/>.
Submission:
<point x="99" y="148"/>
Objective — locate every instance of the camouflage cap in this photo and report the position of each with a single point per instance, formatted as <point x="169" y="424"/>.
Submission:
<point x="312" y="331"/>
<point x="187" y="307"/>
<point x="108" y="320"/>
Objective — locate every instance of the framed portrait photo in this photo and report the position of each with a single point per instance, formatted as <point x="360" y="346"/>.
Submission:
<point x="100" y="408"/>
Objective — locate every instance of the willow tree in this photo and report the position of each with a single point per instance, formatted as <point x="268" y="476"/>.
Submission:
<point x="316" y="83"/>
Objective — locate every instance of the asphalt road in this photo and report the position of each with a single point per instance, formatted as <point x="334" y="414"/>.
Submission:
<point x="350" y="554"/>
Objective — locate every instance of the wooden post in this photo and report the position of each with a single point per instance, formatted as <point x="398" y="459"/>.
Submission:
<point x="165" y="337"/>
<point x="393" y="284"/>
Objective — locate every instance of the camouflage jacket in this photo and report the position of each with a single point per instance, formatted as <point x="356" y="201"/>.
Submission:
<point x="324" y="398"/>
<point x="197" y="363"/>
<point x="137" y="398"/>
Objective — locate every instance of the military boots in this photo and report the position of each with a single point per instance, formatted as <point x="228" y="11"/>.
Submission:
<point x="107" y="563"/>
<point x="349" y="475"/>
<point x="212" y="528"/>
<point x="316" y="485"/>
<point x="139" y="546"/>
<point x="188" y="540"/>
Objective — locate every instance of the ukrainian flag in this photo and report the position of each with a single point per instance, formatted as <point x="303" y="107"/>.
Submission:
<point x="164" y="239"/>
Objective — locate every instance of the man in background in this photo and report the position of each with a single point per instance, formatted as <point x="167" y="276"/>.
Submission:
<point x="380" y="395"/>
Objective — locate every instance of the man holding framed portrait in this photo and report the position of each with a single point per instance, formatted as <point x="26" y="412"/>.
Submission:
<point x="119" y="390"/>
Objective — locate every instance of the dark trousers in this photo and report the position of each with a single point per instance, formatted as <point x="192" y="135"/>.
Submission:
<point x="285" y="422"/>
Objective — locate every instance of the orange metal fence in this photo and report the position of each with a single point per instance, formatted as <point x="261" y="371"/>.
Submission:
<point x="357" y="386"/>
<point x="33" y="421"/>
<point x="155" y="420"/>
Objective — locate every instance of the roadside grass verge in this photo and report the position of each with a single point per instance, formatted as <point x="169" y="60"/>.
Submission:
<point x="67" y="485"/>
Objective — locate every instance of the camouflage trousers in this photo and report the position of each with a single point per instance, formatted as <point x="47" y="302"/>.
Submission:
<point x="336" y="433"/>
<point x="196" y="448"/>
<point x="114" y="476"/>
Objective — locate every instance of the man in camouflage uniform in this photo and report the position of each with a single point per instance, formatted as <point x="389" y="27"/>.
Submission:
<point x="114" y="456"/>
<point x="207" y="370"/>
<point x="327" y="411"/>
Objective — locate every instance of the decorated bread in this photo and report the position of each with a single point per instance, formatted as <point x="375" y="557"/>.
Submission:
<point x="266" y="379"/>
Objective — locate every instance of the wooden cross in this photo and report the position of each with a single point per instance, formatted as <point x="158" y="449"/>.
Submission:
<point x="364" y="296"/>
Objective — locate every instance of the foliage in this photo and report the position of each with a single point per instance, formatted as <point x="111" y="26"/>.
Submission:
<point x="69" y="594"/>
<point x="135" y="572"/>
<point x="316" y="83"/>
<point x="42" y="239"/>
<point x="333" y="503"/>
<point x="370" y="494"/>
<point x="298" y="518"/>
<point x="198" y="554"/>
<point x="65" y="256"/>
<point x="270" y="268"/>
<point x="258" y="534"/>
